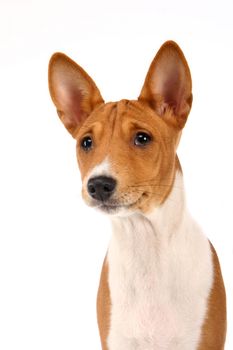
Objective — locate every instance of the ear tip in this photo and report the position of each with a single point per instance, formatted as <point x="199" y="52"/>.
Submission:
<point x="171" y="45"/>
<point x="172" y="49"/>
<point x="56" y="58"/>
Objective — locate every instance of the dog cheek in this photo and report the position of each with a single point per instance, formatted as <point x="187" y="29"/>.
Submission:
<point x="85" y="195"/>
<point x="150" y="201"/>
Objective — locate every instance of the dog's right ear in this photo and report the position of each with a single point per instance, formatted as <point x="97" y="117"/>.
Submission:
<point x="73" y="92"/>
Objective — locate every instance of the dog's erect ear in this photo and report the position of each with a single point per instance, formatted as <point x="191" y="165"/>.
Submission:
<point x="73" y="92"/>
<point x="168" y="85"/>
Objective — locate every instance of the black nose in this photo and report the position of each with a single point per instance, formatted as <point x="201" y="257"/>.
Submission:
<point x="101" y="187"/>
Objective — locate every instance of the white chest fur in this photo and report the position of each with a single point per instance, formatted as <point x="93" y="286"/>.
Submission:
<point x="160" y="276"/>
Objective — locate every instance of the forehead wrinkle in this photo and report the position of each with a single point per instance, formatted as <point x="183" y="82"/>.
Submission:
<point x="108" y="128"/>
<point x="121" y="109"/>
<point x="112" y="120"/>
<point x="109" y="125"/>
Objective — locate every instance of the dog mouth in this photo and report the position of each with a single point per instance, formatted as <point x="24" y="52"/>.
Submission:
<point x="110" y="209"/>
<point x="114" y="207"/>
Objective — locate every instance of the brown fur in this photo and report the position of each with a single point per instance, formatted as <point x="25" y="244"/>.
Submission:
<point x="214" y="329"/>
<point x="117" y="125"/>
<point x="104" y="306"/>
<point x="73" y="105"/>
<point x="164" y="98"/>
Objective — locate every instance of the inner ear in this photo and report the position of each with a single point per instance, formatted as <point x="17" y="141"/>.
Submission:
<point x="70" y="107"/>
<point x="168" y="85"/>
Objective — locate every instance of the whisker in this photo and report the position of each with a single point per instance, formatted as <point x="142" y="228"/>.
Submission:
<point x="149" y="180"/>
<point x="155" y="185"/>
<point x="157" y="193"/>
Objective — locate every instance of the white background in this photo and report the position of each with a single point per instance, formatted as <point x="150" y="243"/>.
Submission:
<point x="51" y="245"/>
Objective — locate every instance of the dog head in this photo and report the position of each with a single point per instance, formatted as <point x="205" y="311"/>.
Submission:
<point x="126" y="150"/>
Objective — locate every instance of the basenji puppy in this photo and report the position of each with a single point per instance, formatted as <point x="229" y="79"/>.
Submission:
<point x="161" y="286"/>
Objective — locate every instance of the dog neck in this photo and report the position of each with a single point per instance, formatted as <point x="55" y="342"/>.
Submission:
<point x="151" y="260"/>
<point x="163" y="222"/>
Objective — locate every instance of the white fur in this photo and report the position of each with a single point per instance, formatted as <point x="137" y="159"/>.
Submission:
<point x="160" y="276"/>
<point x="101" y="169"/>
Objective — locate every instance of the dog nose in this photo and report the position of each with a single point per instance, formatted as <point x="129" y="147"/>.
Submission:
<point x="101" y="187"/>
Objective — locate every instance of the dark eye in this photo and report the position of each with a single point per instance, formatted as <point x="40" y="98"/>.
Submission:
<point x="86" y="143"/>
<point x="142" y="139"/>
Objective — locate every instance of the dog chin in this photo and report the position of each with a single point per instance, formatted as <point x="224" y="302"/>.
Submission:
<point x="114" y="210"/>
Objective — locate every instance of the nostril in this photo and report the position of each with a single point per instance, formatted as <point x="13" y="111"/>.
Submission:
<point x="91" y="188"/>
<point x="107" y="188"/>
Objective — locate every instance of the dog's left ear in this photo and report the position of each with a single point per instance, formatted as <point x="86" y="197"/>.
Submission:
<point x="168" y="85"/>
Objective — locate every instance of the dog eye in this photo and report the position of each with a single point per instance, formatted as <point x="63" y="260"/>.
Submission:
<point x="142" y="139"/>
<point x="86" y="143"/>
